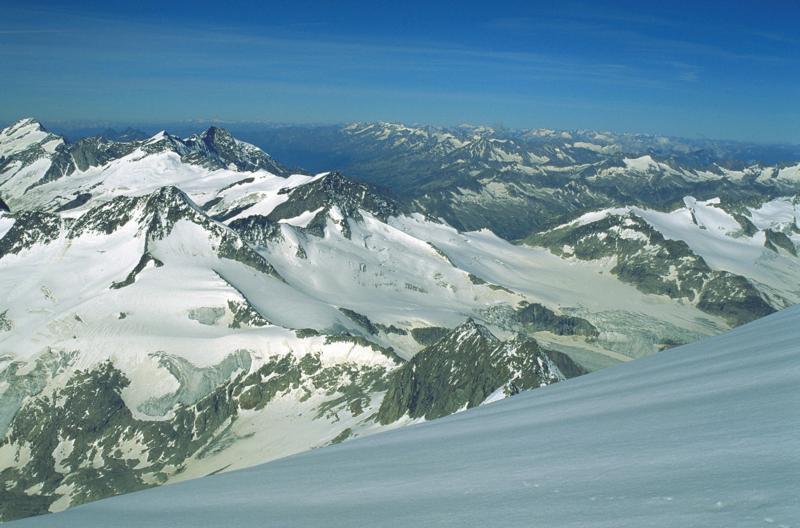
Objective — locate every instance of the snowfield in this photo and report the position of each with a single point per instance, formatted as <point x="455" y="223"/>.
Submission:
<point x="174" y="308"/>
<point x="701" y="435"/>
<point x="23" y="135"/>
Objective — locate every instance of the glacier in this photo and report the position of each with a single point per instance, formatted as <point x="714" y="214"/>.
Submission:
<point x="700" y="435"/>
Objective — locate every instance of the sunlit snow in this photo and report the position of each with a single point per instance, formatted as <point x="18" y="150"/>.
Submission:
<point x="701" y="435"/>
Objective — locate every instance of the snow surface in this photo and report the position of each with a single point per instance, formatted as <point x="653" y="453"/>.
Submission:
<point x="715" y="235"/>
<point x="701" y="435"/>
<point x="140" y="173"/>
<point x="536" y="274"/>
<point x="642" y="164"/>
<point x="5" y="224"/>
<point x="301" y="220"/>
<point x="790" y="174"/>
<point x="776" y="214"/>
<point x="23" y="135"/>
<point x="56" y="301"/>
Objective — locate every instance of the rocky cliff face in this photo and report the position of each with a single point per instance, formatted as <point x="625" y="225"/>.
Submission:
<point x="464" y="368"/>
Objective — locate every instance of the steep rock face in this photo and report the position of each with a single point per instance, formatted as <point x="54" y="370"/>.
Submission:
<point x="217" y="148"/>
<point x="81" y="155"/>
<point x="27" y="141"/>
<point x="214" y="148"/>
<point x="644" y="256"/>
<point x="464" y="368"/>
<point x="28" y="153"/>
<point x="776" y="240"/>
<point x="256" y="229"/>
<point x="734" y="298"/>
<point x="536" y="317"/>
<point x="29" y="229"/>
<point x="97" y="151"/>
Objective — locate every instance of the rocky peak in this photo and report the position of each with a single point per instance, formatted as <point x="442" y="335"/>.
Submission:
<point x="29" y="229"/>
<point x="29" y="139"/>
<point x="164" y="142"/>
<point x="97" y="151"/>
<point x="469" y="331"/>
<point x="217" y="148"/>
<point x="334" y="189"/>
<point x="156" y="213"/>
<point x="169" y="204"/>
<point x="23" y="126"/>
<point x="466" y="367"/>
<point x="217" y="136"/>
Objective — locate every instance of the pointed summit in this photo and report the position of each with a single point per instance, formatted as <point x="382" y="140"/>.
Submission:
<point x="27" y="134"/>
<point x="470" y="329"/>
<point x="466" y="367"/>
<point x="216" y="147"/>
<point x="163" y="140"/>
<point x="330" y="190"/>
<point x="217" y="135"/>
<point x="26" y="122"/>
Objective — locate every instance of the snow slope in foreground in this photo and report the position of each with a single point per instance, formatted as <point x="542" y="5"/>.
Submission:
<point x="700" y="435"/>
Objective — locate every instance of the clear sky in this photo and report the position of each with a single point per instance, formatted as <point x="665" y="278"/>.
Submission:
<point x="700" y="69"/>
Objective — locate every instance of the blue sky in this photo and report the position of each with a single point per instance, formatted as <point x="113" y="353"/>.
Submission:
<point x="699" y="69"/>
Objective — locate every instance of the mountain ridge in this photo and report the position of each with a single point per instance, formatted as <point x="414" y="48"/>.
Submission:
<point x="482" y="177"/>
<point x="532" y="458"/>
<point x="243" y="316"/>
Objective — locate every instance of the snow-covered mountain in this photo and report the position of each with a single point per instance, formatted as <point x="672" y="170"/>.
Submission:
<point x="515" y="182"/>
<point x="177" y="307"/>
<point x="40" y="170"/>
<point x="705" y="252"/>
<point x="700" y="435"/>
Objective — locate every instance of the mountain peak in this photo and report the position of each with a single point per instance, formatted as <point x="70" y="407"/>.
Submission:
<point x="30" y="123"/>
<point x="221" y="142"/>
<point x="334" y="189"/>
<point x="215" y="131"/>
<point x="169" y="197"/>
<point x="159" y="209"/>
<point x="161" y="135"/>
<point x="27" y="134"/>
<point x="471" y="328"/>
<point x="219" y="147"/>
<point x="462" y="370"/>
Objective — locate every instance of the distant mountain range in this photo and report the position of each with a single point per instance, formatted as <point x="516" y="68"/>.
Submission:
<point x="178" y="306"/>
<point x="515" y="182"/>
